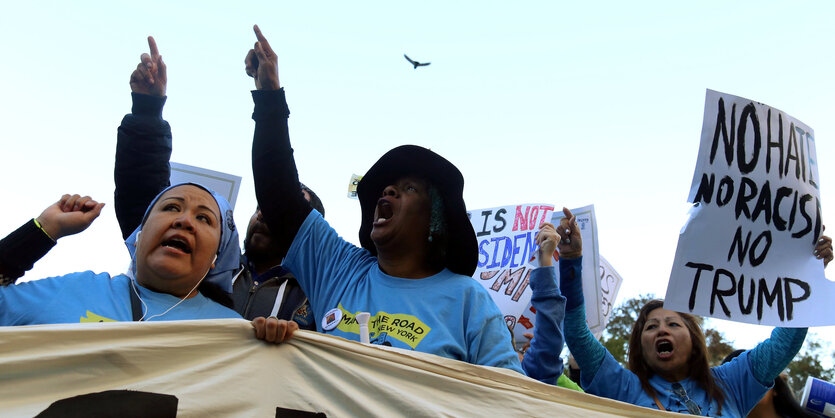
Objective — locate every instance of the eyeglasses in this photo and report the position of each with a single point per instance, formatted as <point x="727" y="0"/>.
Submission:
<point x="692" y="407"/>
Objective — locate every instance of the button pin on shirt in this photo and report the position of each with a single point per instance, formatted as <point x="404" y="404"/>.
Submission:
<point x="331" y="319"/>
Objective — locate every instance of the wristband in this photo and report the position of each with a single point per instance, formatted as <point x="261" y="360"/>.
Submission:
<point x="38" y="224"/>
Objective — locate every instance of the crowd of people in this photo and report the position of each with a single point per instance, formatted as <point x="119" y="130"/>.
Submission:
<point x="296" y="272"/>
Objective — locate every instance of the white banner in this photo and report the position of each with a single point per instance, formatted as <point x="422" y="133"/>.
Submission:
<point x="217" y="368"/>
<point x="745" y="253"/>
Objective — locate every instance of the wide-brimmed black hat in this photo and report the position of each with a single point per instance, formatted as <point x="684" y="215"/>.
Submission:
<point x="412" y="160"/>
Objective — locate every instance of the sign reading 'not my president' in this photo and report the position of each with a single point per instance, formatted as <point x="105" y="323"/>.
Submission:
<point x="745" y="253"/>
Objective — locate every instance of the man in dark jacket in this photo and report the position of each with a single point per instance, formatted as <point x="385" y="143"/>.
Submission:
<point x="143" y="150"/>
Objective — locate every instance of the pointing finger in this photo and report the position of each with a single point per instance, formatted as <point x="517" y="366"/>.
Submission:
<point x="566" y="212"/>
<point x="152" y="45"/>
<point x="265" y="44"/>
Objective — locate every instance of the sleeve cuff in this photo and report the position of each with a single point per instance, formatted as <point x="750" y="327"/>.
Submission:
<point x="269" y="103"/>
<point x="22" y="248"/>
<point x="144" y="104"/>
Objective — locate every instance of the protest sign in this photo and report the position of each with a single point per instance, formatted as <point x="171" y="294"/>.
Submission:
<point x="745" y="253"/>
<point x="226" y="185"/>
<point x="506" y="243"/>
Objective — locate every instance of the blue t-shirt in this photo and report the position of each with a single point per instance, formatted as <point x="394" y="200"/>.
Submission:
<point x="447" y="314"/>
<point x="742" y="390"/>
<point x="90" y="297"/>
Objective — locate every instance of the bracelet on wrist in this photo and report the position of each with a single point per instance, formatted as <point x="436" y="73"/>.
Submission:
<point x="38" y="224"/>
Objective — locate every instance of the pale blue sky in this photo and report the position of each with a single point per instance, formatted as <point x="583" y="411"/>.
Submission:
<point x="567" y="103"/>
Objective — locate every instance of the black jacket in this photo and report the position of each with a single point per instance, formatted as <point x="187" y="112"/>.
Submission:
<point x="258" y="298"/>
<point x="142" y="170"/>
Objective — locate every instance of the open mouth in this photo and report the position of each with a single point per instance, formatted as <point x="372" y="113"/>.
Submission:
<point x="177" y="244"/>
<point x="383" y="212"/>
<point x="664" y="349"/>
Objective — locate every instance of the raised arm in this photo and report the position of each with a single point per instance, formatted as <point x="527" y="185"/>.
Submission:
<point x="770" y="357"/>
<point x="143" y="146"/>
<point x="587" y="351"/>
<point x="22" y="248"/>
<point x="277" y="189"/>
<point x="542" y="360"/>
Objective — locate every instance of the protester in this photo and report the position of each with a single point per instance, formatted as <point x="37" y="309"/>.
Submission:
<point x="183" y="257"/>
<point x="668" y="366"/>
<point x="23" y="247"/>
<point x="262" y="286"/>
<point x="418" y="249"/>
<point x="778" y="402"/>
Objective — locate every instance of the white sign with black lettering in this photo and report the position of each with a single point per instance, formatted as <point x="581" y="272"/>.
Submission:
<point x="745" y="253"/>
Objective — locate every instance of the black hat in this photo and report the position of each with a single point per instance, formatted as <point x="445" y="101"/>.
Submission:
<point x="412" y="160"/>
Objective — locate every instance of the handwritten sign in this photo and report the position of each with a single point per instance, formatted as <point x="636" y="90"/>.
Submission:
<point x="506" y="243"/>
<point x="745" y="253"/>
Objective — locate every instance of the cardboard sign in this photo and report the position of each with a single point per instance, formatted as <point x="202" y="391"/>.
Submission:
<point x="745" y="253"/>
<point x="506" y="244"/>
<point x="226" y="185"/>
